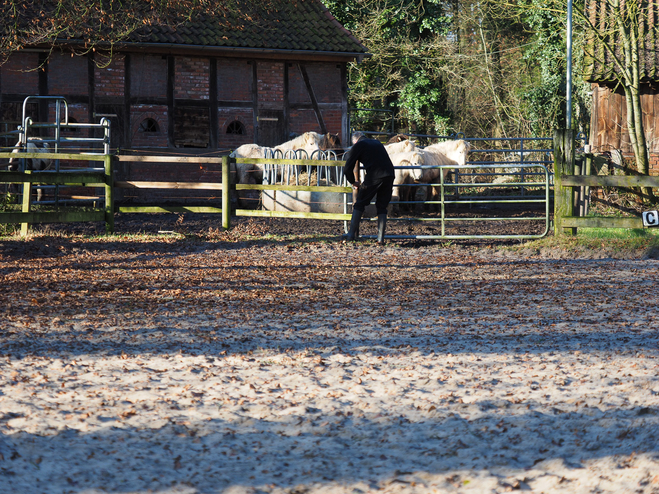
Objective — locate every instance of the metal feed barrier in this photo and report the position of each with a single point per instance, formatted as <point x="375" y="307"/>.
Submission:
<point x="60" y="143"/>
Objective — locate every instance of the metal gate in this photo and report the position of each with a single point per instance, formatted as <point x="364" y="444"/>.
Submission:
<point x="51" y="137"/>
<point x="506" y="183"/>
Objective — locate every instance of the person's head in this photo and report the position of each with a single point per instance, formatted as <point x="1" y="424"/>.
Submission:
<point x="358" y="136"/>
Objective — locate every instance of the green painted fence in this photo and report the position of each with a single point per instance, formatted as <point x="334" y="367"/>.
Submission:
<point x="71" y="178"/>
<point x="105" y="179"/>
<point x="568" y="180"/>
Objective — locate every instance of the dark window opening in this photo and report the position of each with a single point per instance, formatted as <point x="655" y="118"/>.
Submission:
<point x="236" y="127"/>
<point x="149" y="125"/>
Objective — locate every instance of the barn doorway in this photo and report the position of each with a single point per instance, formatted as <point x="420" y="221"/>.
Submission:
<point x="271" y="129"/>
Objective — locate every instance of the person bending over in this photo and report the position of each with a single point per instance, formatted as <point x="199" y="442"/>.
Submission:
<point x="378" y="181"/>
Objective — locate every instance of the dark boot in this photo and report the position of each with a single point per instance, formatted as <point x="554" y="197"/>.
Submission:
<point x="382" y="224"/>
<point x="353" y="234"/>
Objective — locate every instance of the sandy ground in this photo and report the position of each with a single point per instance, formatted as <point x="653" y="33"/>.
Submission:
<point x="324" y="368"/>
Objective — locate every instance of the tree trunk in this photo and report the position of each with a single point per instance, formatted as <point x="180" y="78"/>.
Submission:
<point x="632" y="84"/>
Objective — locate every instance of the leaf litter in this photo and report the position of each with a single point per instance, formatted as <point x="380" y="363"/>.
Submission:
<point x="171" y="366"/>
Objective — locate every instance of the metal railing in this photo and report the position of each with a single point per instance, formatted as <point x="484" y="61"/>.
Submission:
<point x="28" y="132"/>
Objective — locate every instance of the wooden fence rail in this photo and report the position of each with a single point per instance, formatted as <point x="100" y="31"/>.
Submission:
<point x="105" y="179"/>
<point x="70" y="177"/>
<point x="567" y="180"/>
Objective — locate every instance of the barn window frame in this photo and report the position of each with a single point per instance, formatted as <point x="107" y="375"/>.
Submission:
<point x="236" y="128"/>
<point x="149" y="126"/>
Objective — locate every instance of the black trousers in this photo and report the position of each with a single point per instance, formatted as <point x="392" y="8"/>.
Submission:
<point x="382" y="188"/>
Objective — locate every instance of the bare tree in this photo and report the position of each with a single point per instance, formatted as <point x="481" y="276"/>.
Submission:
<point x="622" y="35"/>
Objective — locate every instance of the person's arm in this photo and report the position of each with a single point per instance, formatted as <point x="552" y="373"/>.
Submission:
<point x="349" y="168"/>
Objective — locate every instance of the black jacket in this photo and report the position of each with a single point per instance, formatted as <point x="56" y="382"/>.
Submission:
<point x="374" y="158"/>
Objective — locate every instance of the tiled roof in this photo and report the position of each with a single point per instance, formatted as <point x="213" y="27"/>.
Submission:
<point x="599" y="63"/>
<point x="300" y="25"/>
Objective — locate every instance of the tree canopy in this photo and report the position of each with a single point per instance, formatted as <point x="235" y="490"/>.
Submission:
<point x="482" y="67"/>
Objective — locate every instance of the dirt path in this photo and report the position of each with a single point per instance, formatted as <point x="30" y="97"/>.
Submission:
<point x="180" y="366"/>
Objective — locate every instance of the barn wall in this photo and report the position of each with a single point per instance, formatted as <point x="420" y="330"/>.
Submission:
<point x="67" y="75"/>
<point x="192" y="78"/>
<point x="142" y="136"/>
<point x="20" y="75"/>
<point x="148" y="77"/>
<point x="110" y="81"/>
<point x="608" y="123"/>
<point x="198" y="102"/>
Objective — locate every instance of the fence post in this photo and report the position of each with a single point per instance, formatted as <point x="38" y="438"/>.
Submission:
<point x="109" y="194"/>
<point x="563" y="165"/>
<point x="226" y="192"/>
<point x="27" y="195"/>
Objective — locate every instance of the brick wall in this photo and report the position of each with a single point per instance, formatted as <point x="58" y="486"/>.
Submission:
<point x="228" y="115"/>
<point x="67" y="75"/>
<point x="191" y="80"/>
<point x="304" y="120"/>
<point x="325" y="80"/>
<point x="78" y="113"/>
<point x="141" y="137"/>
<point x="654" y="164"/>
<point x="18" y="74"/>
<point x="270" y="84"/>
<point x="148" y="76"/>
<point x="234" y="80"/>
<point x="110" y="80"/>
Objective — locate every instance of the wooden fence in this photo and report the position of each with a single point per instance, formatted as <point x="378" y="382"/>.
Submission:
<point x="105" y="179"/>
<point x="67" y="178"/>
<point x="572" y="183"/>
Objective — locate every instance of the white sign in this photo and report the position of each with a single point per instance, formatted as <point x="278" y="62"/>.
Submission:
<point x="650" y="218"/>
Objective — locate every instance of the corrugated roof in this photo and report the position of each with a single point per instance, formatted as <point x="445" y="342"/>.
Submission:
<point x="600" y="65"/>
<point x="305" y="25"/>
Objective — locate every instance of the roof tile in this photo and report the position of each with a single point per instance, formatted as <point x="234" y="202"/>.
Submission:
<point x="305" y="25"/>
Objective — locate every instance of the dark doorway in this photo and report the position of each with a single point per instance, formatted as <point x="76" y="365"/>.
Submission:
<point x="271" y="128"/>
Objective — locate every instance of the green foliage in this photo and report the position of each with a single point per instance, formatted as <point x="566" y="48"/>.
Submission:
<point x="478" y="67"/>
<point x="403" y="37"/>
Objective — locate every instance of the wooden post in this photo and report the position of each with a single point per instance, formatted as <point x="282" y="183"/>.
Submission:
<point x="109" y="194"/>
<point x="588" y="170"/>
<point x="226" y="193"/>
<point x="563" y="165"/>
<point x="578" y="193"/>
<point x="27" y="194"/>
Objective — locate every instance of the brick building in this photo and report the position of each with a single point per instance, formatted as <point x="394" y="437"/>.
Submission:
<point x="198" y="87"/>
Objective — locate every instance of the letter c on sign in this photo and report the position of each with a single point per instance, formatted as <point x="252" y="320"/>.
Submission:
<point x="651" y="218"/>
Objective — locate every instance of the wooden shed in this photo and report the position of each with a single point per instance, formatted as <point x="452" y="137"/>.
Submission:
<point x="608" y="129"/>
<point x="201" y="86"/>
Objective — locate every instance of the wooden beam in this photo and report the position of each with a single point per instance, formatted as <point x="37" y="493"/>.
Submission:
<point x="601" y="222"/>
<point x="130" y="184"/>
<point x="172" y="159"/>
<point x="610" y="181"/>
<point x="301" y="188"/>
<point x="55" y="156"/>
<point x="167" y="209"/>
<point x="86" y="179"/>
<point x="312" y="96"/>
<point x="293" y="214"/>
